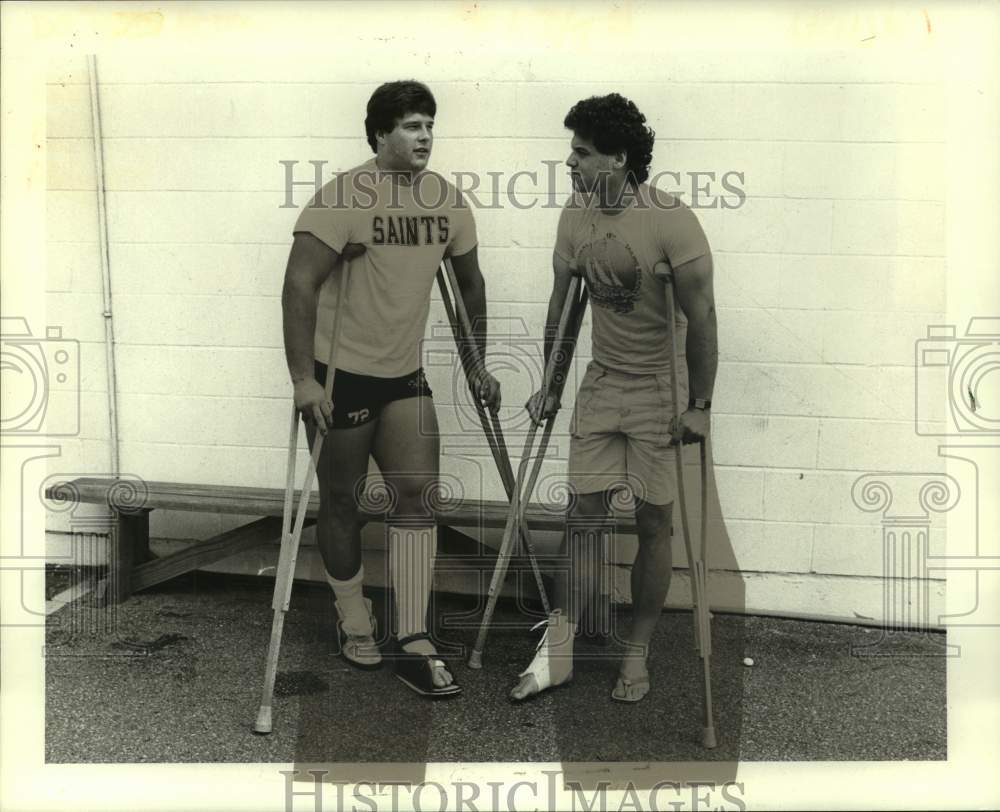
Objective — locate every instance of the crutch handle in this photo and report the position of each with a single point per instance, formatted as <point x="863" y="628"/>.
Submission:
<point x="663" y="272"/>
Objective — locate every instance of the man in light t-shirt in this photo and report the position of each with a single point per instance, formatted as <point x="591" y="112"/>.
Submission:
<point x="615" y="230"/>
<point x="393" y="221"/>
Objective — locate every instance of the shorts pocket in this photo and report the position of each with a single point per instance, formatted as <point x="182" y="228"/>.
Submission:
<point x="666" y="400"/>
<point x="583" y="410"/>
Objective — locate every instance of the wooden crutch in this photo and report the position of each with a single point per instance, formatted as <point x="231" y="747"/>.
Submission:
<point x="461" y="327"/>
<point x="556" y="370"/>
<point x="292" y="534"/>
<point x="698" y="565"/>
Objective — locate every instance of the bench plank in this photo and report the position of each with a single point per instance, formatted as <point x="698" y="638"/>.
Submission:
<point x="131" y="570"/>
<point x="235" y="500"/>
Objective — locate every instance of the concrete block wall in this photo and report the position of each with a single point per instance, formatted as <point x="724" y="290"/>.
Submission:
<point x="826" y="275"/>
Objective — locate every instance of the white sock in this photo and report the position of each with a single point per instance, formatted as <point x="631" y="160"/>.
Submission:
<point x="411" y="565"/>
<point x="351" y="602"/>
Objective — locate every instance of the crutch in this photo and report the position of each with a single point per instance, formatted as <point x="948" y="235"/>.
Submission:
<point x="291" y="534"/>
<point x="556" y="370"/>
<point x="698" y="566"/>
<point x="461" y="327"/>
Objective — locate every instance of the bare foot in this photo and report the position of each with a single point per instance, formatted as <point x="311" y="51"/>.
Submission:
<point x="633" y="678"/>
<point x="442" y="677"/>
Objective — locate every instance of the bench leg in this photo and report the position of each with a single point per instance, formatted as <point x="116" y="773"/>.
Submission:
<point x="129" y="547"/>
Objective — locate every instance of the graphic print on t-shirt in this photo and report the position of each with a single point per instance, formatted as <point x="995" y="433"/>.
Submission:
<point x="398" y="230"/>
<point x="613" y="275"/>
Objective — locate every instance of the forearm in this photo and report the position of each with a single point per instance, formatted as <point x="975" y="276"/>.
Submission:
<point x="702" y="353"/>
<point x="298" y="310"/>
<point x="474" y="296"/>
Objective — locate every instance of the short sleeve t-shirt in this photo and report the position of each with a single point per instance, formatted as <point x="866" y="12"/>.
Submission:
<point x="407" y="230"/>
<point x="616" y="254"/>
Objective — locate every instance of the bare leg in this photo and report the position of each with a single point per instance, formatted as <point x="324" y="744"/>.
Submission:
<point x="575" y="584"/>
<point x="651" y="573"/>
<point x="343" y="465"/>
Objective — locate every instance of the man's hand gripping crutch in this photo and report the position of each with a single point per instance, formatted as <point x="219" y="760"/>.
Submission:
<point x="474" y="367"/>
<point x="556" y="370"/>
<point x="698" y="564"/>
<point x="291" y="533"/>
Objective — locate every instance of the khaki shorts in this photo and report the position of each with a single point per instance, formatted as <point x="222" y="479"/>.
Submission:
<point x="620" y="434"/>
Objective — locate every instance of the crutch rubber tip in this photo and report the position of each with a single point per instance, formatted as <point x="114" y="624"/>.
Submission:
<point x="476" y="660"/>
<point x="708" y="737"/>
<point x="263" y="724"/>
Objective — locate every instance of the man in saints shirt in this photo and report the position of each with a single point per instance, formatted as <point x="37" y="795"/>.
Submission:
<point x="399" y="220"/>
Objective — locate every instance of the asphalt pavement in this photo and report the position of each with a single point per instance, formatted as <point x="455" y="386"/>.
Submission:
<point x="175" y="673"/>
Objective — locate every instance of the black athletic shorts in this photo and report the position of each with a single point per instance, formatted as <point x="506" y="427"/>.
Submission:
<point x="359" y="399"/>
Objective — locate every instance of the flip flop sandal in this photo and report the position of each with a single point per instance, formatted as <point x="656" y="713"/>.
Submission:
<point x="416" y="670"/>
<point x="626" y="684"/>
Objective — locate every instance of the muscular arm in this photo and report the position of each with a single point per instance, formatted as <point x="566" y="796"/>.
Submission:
<point x="472" y="288"/>
<point x="309" y="264"/>
<point x="696" y="297"/>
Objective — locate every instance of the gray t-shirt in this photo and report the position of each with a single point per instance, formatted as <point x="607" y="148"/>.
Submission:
<point x="407" y="230"/>
<point x="616" y="254"/>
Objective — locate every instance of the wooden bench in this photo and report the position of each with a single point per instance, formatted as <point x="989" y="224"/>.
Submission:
<point x="132" y="567"/>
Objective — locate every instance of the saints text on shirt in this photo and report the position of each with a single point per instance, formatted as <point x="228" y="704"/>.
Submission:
<point x="402" y="230"/>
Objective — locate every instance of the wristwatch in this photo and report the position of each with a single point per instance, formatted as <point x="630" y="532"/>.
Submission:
<point x="700" y="403"/>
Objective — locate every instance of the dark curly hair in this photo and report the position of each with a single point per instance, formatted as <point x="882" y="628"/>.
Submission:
<point x="393" y="100"/>
<point x="614" y="124"/>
